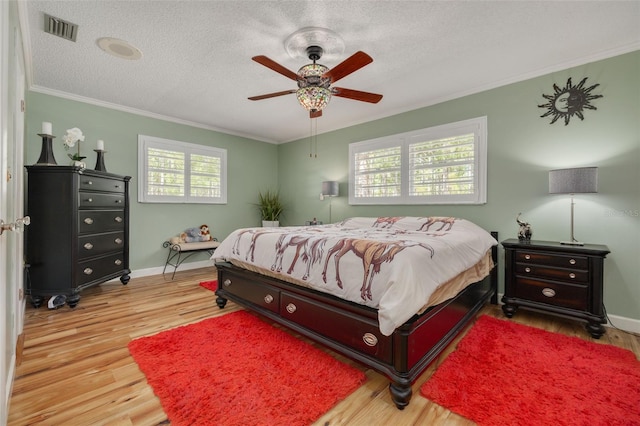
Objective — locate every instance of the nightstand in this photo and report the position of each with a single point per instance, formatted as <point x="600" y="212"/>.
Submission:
<point x="554" y="278"/>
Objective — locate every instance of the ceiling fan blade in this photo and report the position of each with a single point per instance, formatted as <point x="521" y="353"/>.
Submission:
<point x="356" y="95"/>
<point x="271" y="95"/>
<point x="351" y="64"/>
<point x="263" y="60"/>
<point x="315" y="114"/>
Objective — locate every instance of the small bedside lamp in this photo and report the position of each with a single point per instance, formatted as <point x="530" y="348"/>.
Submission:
<point x="329" y="189"/>
<point x="573" y="181"/>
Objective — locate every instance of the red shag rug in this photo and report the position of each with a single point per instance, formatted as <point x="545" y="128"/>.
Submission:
<point x="236" y="369"/>
<point x="210" y="285"/>
<point x="504" y="373"/>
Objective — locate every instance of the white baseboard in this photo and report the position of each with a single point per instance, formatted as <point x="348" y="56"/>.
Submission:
<point x="138" y="273"/>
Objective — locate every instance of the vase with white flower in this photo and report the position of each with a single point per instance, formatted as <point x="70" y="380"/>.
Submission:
<point x="71" y="139"/>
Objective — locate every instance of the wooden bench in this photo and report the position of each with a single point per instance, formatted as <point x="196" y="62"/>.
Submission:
<point x="179" y="252"/>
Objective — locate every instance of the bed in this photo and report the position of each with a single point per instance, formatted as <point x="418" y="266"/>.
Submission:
<point x="388" y="292"/>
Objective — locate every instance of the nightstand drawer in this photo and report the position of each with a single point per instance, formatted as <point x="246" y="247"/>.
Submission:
<point x="561" y="274"/>
<point x="552" y="259"/>
<point x="564" y="295"/>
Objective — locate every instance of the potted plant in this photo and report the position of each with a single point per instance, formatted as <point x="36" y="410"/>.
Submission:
<point x="270" y="207"/>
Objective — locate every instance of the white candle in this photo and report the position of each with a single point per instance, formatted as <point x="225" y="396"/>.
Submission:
<point x="47" y="129"/>
<point x="100" y="146"/>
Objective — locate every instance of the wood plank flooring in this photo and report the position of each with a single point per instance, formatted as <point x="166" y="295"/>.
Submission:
<point x="75" y="368"/>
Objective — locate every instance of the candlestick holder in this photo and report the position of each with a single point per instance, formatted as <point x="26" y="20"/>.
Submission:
<point x="100" y="160"/>
<point x="46" y="154"/>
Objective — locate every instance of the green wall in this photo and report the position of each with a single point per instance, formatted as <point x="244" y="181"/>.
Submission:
<point x="522" y="147"/>
<point x="250" y="169"/>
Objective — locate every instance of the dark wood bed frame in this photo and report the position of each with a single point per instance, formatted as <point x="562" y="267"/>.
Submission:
<point x="352" y="329"/>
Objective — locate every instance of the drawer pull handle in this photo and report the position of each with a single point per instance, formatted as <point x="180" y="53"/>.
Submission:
<point x="572" y="261"/>
<point x="117" y="186"/>
<point x="118" y="240"/>
<point x="369" y="339"/>
<point x="88" y="271"/>
<point x="88" y="221"/>
<point x="527" y="256"/>
<point x="527" y="269"/>
<point x="118" y="201"/>
<point x="90" y="200"/>
<point x="572" y="275"/>
<point x="89" y="182"/>
<point x="227" y="282"/>
<point x="549" y="292"/>
<point x="118" y="262"/>
<point x="118" y="219"/>
<point x="268" y="298"/>
<point x="88" y="246"/>
<point x="291" y="308"/>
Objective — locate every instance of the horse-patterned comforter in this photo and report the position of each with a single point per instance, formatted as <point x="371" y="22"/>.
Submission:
<point x="393" y="264"/>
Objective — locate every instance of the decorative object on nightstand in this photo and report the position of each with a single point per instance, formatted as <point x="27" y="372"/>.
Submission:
<point x="330" y="188"/>
<point x="551" y="277"/>
<point x="46" y="154"/>
<point x="525" y="232"/>
<point x="573" y="181"/>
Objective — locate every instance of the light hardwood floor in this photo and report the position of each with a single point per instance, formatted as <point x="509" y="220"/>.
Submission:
<point x="75" y="368"/>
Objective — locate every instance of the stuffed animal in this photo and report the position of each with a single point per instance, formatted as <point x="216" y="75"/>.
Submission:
<point x="195" y="235"/>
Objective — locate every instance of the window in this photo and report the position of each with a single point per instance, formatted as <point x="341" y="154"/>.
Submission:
<point x="440" y="165"/>
<point x="180" y="172"/>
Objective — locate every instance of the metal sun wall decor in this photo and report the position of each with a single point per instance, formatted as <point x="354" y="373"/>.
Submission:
<point x="569" y="100"/>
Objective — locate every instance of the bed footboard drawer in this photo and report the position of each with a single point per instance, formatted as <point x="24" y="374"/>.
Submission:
<point x="351" y="330"/>
<point x="259" y="294"/>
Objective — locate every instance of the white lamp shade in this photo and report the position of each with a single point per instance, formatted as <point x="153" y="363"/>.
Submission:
<point x="330" y="188"/>
<point x="573" y="181"/>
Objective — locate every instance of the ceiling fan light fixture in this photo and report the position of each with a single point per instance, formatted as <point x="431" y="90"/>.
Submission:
<point x="311" y="75"/>
<point x="313" y="98"/>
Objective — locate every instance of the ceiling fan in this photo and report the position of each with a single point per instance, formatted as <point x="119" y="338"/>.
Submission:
<point x="315" y="80"/>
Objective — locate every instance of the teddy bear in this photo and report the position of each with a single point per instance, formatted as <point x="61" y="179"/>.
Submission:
<point x="195" y="235"/>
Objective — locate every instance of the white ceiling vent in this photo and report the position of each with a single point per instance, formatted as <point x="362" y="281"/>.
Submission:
<point x="60" y="27"/>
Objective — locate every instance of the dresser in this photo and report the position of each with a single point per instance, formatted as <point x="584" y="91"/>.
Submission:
<point x="554" y="278"/>
<point x="79" y="231"/>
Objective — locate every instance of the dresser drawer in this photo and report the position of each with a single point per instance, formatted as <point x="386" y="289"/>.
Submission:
<point x="93" y="183"/>
<point x="558" y="294"/>
<point x="561" y="274"/>
<point x="552" y="259"/>
<point x="90" y="200"/>
<point x="97" y="268"/>
<point x="91" y="222"/>
<point x="360" y="333"/>
<point x="262" y="295"/>
<point x="97" y="244"/>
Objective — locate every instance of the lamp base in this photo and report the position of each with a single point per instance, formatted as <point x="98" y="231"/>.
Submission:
<point x="571" y="243"/>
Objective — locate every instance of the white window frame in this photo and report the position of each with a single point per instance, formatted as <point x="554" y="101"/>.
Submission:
<point x="146" y="142"/>
<point x="477" y="126"/>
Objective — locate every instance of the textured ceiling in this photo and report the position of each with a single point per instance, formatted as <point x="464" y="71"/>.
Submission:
<point x="197" y="69"/>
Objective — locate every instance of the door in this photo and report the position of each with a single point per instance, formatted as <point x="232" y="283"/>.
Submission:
<point x="12" y="78"/>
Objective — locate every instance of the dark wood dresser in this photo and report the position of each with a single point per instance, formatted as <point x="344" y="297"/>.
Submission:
<point x="559" y="279"/>
<point x="79" y="231"/>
